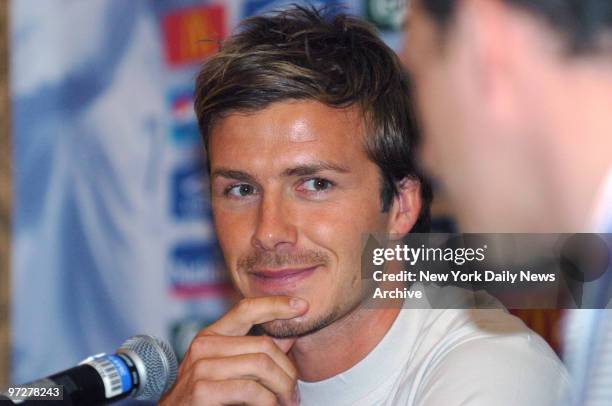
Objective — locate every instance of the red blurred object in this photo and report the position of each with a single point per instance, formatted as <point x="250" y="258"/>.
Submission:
<point x="193" y="34"/>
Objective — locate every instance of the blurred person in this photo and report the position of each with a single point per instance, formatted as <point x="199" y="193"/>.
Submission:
<point x="310" y="141"/>
<point x="515" y="99"/>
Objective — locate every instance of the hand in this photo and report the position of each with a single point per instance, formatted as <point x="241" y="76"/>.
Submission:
<point x="224" y="366"/>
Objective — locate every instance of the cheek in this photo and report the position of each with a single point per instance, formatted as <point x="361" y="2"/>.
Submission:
<point x="233" y="231"/>
<point x="340" y="238"/>
<point x="339" y="230"/>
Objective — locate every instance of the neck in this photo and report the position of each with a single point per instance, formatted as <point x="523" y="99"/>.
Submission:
<point x="341" y="345"/>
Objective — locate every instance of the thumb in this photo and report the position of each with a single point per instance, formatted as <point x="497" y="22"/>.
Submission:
<point x="284" y="344"/>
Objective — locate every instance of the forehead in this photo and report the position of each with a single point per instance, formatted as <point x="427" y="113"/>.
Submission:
<point x="288" y="133"/>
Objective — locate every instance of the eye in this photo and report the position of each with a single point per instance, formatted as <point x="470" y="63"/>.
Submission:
<point x="240" y="190"/>
<point x="317" y="185"/>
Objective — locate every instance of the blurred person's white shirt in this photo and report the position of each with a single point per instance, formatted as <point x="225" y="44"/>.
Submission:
<point x="587" y="330"/>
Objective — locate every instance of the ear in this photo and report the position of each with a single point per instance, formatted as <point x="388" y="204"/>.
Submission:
<point x="491" y="31"/>
<point x="406" y="207"/>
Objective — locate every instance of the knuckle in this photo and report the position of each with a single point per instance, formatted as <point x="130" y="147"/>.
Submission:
<point x="199" y="344"/>
<point x="293" y="375"/>
<point x="287" y="387"/>
<point x="265" y="343"/>
<point x="262" y="361"/>
<point x="267" y="399"/>
<point x="205" y="346"/>
<point x="200" y="368"/>
<point x="251" y="389"/>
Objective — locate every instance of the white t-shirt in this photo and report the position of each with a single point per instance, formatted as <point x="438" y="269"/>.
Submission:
<point x="442" y="357"/>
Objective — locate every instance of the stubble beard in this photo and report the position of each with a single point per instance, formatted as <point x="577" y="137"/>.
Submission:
<point x="295" y="328"/>
<point x="300" y="328"/>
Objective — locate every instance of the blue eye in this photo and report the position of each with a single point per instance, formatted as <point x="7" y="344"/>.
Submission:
<point x="317" y="185"/>
<point x="240" y="190"/>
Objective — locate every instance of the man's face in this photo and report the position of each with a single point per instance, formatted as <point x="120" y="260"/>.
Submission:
<point x="293" y="191"/>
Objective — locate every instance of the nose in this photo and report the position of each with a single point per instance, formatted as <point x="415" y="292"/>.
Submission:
<point x="275" y="229"/>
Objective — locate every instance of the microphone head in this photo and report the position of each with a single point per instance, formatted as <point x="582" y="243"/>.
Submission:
<point x="156" y="364"/>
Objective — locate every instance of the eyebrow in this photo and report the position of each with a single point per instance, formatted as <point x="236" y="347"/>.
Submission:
<point x="300" y="170"/>
<point x="314" y="168"/>
<point x="233" y="174"/>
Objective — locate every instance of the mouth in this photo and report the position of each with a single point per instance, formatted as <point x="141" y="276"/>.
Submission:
<point x="271" y="279"/>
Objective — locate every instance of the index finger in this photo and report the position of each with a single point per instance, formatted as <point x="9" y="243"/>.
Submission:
<point x="256" y="310"/>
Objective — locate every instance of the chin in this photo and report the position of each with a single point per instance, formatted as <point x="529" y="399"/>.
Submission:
<point x="299" y="327"/>
<point x="284" y="328"/>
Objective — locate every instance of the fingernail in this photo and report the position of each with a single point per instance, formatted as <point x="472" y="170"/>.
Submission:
<point x="297" y="303"/>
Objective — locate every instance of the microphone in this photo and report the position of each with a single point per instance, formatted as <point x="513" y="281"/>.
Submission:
<point x="144" y="367"/>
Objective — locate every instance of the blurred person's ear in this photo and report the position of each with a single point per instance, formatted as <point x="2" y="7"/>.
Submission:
<point x="406" y="207"/>
<point x="496" y="51"/>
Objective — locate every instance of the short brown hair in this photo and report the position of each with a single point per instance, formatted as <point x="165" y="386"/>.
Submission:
<point x="307" y="54"/>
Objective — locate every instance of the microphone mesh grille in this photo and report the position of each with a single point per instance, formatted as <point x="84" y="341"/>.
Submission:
<point x="160" y="365"/>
